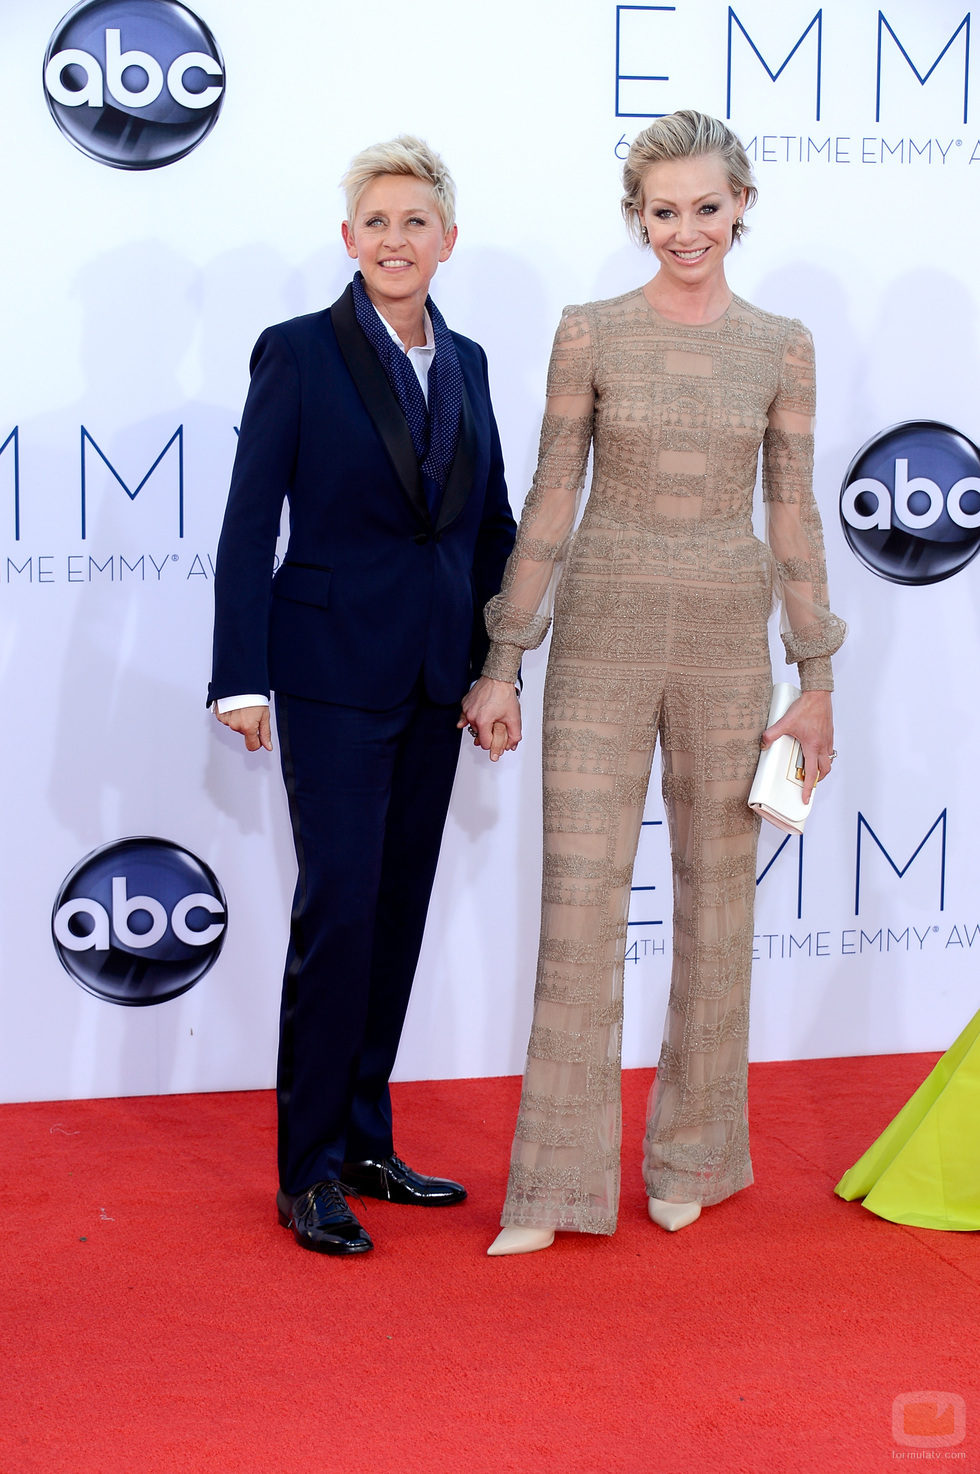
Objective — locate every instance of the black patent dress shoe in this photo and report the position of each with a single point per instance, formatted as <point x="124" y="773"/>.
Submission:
<point x="392" y="1180"/>
<point x="321" y="1220"/>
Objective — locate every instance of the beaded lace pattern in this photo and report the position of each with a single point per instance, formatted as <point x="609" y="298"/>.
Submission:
<point x="661" y="601"/>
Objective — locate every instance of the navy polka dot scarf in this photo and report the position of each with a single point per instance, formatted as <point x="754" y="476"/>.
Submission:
<point x="435" y="429"/>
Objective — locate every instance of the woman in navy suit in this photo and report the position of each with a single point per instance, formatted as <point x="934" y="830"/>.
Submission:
<point x="375" y="421"/>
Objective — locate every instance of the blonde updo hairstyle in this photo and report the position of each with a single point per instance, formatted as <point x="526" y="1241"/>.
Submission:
<point x="404" y="155"/>
<point x="683" y="135"/>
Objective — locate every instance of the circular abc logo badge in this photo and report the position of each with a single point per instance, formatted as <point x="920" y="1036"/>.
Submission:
<point x="139" y="921"/>
<point x="910" y="503"/>
<point x="133" y="83"/>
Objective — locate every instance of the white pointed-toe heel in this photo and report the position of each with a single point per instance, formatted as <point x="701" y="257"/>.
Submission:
<point x="522" y="1240"/>
<point x="673" y="1216"/>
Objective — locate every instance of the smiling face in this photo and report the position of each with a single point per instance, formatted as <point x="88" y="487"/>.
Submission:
<point x="398" y="238"/>
<point x="689" y="212"/>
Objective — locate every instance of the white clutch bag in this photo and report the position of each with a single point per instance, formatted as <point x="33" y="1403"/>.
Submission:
<point x="777" y="788"/>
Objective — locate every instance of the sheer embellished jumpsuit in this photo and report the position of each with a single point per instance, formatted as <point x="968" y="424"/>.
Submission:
<point x="661" y="602"/>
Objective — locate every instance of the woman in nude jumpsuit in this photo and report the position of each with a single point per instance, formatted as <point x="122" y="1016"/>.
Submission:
<point x="660" y="631"/>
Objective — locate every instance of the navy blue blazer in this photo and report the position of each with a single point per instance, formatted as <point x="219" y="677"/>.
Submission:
<point x="371" y="593"/>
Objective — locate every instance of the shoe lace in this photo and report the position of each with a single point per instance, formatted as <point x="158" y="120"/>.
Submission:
<point x="350" y="1192"/>
<point x="331" y="1190"/>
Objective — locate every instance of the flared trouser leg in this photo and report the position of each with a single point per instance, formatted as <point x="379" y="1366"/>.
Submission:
<point x="565" y="1167"/>
<point x="697" y="1145"/>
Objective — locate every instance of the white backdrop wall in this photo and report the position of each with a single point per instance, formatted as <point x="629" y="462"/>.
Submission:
<point x="131" y="300"/>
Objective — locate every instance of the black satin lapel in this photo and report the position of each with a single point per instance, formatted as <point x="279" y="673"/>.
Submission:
<point x="379" y="399"/>
<point x="459" y="482"/>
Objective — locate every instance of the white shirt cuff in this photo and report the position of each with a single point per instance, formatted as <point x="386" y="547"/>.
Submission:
<point x="235" y="703"/>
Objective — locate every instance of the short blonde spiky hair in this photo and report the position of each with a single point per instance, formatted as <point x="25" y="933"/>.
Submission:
<point x="404" y="155"/>
<point x="683" y="135"/>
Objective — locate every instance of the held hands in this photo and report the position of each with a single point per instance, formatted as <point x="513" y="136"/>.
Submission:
<point x="252" y="722"/>
<point x="492" y="713"/>
<point x="811" y="721"/>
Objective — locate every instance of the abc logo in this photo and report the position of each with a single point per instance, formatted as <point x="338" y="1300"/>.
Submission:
<point x="139" y="921"/>
<point x="133" y="83"/>
<point x="910" y="503"/>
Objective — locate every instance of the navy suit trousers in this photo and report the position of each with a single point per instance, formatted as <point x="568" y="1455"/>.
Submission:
<point x="368" y="796"/>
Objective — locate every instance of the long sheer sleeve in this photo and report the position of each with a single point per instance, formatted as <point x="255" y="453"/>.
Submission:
<point x="810" y="632"/>
<point x="518" y="617"/>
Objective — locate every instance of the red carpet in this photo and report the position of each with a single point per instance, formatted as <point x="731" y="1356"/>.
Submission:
<point x="155" y="1318"/>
